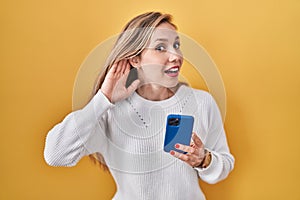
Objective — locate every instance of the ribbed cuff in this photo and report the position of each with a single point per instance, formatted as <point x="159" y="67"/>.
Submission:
<point x="211" y="174"/>
<point x="101" y="103"/>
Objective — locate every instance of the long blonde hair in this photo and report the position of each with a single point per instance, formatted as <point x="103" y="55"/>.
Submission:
<point x="130" y="43"/>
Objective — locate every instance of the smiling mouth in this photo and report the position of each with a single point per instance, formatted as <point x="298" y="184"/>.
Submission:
<point x="173" y="70"/>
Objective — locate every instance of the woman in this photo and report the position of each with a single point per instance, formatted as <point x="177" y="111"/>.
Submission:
<point x="122" y="127"/>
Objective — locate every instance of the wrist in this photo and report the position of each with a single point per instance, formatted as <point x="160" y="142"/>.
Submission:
<point x="106" y="95"/>
<point x="206" y="160"/>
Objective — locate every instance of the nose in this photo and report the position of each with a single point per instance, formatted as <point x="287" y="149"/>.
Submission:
<point x="175" y="56"/>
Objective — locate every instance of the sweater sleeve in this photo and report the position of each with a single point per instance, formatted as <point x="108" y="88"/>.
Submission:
<point x="222" y="162"/>
<point x="81" y="133"/>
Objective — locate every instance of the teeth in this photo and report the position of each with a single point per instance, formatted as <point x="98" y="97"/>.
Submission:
<point x="173" y="70"/>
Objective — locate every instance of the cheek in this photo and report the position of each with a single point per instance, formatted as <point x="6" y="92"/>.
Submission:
<point x="153" y="70"/>
<point x="154" y="58"/>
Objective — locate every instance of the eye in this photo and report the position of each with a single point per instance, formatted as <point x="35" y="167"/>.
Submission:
<point x="161" y="47"/>
<point x="176" y="45"/>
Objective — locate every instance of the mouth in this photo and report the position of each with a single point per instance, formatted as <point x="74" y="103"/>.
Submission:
<point x="173" y="71"/>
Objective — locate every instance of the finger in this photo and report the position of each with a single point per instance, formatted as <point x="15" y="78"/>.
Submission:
<point x="119" y="66"/>
<point x="133" y="86"/>
<point x="185" y="148"/>
<point x="123" y="66"/>
<point x="180" y="156"/>
<point x="113" y="68"/>
<point x="192" y="143"/>
<point x="197" y="140"/>
<point x="192" y="160"/>
<point x="127" y="68"/>
<point x="124" y="78"/>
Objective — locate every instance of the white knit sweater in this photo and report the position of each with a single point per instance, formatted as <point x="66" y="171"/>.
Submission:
<point x="130" y="134"/>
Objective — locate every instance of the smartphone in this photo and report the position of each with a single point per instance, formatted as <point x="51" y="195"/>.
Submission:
<point x="179" y="129"/>
<point x="132" y="76"/>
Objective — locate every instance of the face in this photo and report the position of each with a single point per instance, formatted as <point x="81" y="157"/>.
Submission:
<point x="161" y="61"/>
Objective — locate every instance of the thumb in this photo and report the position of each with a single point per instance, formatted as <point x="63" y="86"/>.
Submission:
<point x="133" y="86"/>
<point x="197" y="140"/>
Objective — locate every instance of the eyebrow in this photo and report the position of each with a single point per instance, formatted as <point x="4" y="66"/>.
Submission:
<point x="165" y="39"/>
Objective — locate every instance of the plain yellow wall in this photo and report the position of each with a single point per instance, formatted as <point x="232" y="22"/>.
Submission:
<point x="255" y="44"/>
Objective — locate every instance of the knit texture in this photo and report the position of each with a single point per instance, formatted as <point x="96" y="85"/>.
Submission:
<point x="130" y="136"/>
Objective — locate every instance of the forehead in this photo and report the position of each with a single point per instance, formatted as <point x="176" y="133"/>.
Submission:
<point x="164" y="31"/>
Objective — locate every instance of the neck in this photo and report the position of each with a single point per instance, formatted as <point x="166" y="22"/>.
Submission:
<point x="156" y="92"/>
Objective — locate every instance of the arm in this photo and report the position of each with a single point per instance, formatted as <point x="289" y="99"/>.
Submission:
<point x="79" y="134"/>
<point x="219" y="162"/>
<point x="222" y="162"/>
<point x="83" y="132"/>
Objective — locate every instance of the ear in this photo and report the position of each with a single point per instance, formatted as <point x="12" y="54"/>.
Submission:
<point x="135" y="61"/>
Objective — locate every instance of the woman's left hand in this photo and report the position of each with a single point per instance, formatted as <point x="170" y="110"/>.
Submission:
<point x="195" y="152"/>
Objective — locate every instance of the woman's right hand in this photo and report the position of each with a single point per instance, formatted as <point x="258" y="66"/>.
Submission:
<point x="113" y="86"/>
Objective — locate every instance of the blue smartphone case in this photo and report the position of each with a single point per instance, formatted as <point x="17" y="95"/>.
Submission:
<point x="179" y="129"/>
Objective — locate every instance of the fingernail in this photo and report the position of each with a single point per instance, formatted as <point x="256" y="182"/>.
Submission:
<point x="177" y="146"/>
<point x="172" y="153"/>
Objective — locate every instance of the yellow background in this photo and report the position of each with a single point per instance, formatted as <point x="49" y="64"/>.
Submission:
<point x="255" y="45"/>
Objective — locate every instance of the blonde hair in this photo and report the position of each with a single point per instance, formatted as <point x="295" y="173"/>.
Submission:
<point x="130" y="43"/>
